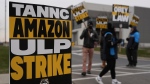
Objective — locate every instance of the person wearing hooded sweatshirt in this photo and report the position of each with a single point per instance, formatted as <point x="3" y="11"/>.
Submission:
<point x="110" y="51"/>
<point x="132" y="47"/>
<point x="90" y="37"/>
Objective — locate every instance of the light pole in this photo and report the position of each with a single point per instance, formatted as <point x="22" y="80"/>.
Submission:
<point x="5" y="20"/>
<point x="120" y="35"/>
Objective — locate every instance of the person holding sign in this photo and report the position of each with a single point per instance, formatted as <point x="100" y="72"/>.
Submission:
<point x="110" y="51"/>
<point x="90" y="36"/>
<point x="132" y="46"/>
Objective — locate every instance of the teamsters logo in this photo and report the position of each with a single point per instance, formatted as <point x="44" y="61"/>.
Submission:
<point x="44" y="81"/>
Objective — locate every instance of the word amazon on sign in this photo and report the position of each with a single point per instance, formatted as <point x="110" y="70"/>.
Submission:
<point x="40" y="44"/>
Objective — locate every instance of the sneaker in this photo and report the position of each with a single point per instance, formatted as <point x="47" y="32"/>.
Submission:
<point x="134" y="65"/>
<point x="115" y="81"/>
<point x="83" y="73"/>
<point x="99" y="80"/>
<point x="88" y="72"/>
<point x="129" y="65"/>
<point x="102" y="66"/>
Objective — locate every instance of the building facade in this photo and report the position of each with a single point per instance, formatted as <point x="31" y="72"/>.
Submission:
<point x="95" y="10"/>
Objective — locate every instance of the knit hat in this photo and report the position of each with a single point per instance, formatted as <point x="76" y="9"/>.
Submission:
<point x="90" y="23"/>
<point x="134" y="27"/>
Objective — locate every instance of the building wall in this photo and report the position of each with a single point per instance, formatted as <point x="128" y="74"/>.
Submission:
<point x="79" y="32"/>
<point x="101" y="9"/>
<point x="97" y="7"/>
<point x="144" y="23"/>
<point x="125" y="32"/>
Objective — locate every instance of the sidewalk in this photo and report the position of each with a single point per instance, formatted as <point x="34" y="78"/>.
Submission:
<point x="4" y="78"/>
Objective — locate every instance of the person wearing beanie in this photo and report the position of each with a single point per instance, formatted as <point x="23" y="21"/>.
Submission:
<point x="110" y="52"/>
<point x="132" y="47"/>
<point x="90" y="36"/>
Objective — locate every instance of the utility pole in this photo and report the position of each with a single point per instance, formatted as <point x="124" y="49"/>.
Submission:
<point x="5" y="19"/>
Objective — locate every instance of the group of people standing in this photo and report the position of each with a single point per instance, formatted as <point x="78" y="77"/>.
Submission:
<point x="109" y="50"/>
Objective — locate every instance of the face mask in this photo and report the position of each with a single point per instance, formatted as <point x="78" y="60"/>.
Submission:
<point x="90" y="27"/>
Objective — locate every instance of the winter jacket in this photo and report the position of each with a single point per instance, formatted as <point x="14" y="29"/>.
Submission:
<point x="110" y="48"/>
<point x="133" y="40"/>
<point x="89" y="39"/>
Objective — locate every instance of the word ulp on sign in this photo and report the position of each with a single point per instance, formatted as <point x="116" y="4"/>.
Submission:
<point x="40" y="44"/>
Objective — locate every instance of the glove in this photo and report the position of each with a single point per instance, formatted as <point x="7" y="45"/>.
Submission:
<point x="131" y="48"/>
<point x="127" y="39"/>
<point x="119" y="41"/>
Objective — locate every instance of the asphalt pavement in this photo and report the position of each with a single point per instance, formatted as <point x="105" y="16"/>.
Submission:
<point x="136" y="75"/>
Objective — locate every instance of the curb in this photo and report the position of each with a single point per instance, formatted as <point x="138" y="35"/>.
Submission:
<point x="4" y="78"/>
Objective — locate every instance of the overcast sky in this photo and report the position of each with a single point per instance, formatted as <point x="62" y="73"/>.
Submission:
<point x="63" y="3"/>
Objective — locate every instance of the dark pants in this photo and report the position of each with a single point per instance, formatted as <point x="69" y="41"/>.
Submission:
<point x="131" y="56"/>
<point x="111" y="63"/>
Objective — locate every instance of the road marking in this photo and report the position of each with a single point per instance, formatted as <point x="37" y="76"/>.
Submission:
<point x="98" y="69"/>
<point x="127" y="74"/>
<point x="121" y="67"/>
<point x="116" y="71"/>
<point x="76" y="50"/>
<point x="139" y="59"/>
<point x="80" y="74"/>
<point x="144" y="67"/>
<point x="131" y="69"/>
<point x="98" y="64"/>
<point x="91" y="69"/>
<point x="79" y="54"/>
<point x="80" y="65"/>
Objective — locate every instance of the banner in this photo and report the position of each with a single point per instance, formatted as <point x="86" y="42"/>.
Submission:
<point x="135" y="20"/>
<point x="40" y="44"/>
<point x="120" y="15"/>
<point x="80" y="13"/>
<point x="101" y="22"/>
